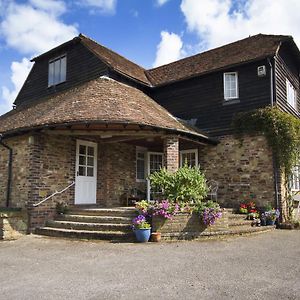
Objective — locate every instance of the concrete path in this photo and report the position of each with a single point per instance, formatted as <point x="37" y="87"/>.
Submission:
<point x="265" y="266"/>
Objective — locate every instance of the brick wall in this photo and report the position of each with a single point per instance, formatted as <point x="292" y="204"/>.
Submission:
<point x="240" y="169"/>
<point x="171" y="153"/>
<point x="20" y="171"/>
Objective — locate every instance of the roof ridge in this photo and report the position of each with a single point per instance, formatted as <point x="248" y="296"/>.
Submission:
<point x="219" y="47"/>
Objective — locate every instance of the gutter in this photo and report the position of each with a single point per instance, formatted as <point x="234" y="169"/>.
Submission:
<point x="275" y="169"/>
<point x="9" y="176"/>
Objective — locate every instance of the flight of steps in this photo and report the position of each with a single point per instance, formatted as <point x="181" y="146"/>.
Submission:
<point x="112" y="224"/>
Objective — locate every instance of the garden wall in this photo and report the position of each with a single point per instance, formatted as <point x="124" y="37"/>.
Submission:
<point x="244" y="170"/>
<point x="188" y="226"/>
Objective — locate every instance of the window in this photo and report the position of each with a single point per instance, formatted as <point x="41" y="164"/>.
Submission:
<point x="140" y="164"/>
<point x="295" y="179"/>
<point x="57" y="70"/>
<point x="291" y="94"/>
<point x="190" y="157"/>
<point x="231" y="86"/>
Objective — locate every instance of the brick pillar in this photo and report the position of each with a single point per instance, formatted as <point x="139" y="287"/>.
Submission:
<point x="171" y="153"/>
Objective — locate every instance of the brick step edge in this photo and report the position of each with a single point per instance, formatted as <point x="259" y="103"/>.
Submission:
<point x="104" y="212"/>
<point x="216" y="234"/>
<point x="85" y="234"/>
<point x="89" y="226"/>
<point x="94" y="219"/>
<point x="234" y="223"/>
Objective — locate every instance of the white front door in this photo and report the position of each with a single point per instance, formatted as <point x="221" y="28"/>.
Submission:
<point x="155" y="163"/>
<point x="86" y="172"/>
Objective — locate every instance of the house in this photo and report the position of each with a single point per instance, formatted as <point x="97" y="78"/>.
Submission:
<point x="93" y="124"/>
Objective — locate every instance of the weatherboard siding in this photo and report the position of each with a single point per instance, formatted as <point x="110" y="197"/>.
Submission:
<point x="82" y="66"/>
<point x="285" y="68"/>
<point x="202" y="98"/>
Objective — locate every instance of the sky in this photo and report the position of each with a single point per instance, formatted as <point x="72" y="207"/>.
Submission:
<point x="148" y="32"/>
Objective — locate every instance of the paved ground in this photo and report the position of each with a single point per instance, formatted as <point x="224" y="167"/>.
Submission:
<point x="265" y="266"/>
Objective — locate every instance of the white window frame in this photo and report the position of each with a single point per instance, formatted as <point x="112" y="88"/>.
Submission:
<point x="144" y="151"/>
<point x="295" y="179"/>
<point x="195" y="151"/>
<point x="291" y="94"/>
<point x="236" y="85"/>
<point x="52" y="61"/>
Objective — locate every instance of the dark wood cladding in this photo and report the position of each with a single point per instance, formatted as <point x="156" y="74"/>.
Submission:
<point x="202" y="98"/>
<point x="286" y="68"/>
<point x="82" y="66"/>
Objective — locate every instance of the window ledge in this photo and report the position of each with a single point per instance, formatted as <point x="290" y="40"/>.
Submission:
<point x="230" y="101"/>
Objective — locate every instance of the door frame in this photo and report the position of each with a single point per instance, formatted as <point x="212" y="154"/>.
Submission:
<point x="95" y="145"/>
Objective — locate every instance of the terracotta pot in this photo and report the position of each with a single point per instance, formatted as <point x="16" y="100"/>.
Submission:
<point x="155" y="237"/>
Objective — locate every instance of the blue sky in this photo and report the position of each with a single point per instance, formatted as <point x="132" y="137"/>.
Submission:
<point x="149" y="32"/>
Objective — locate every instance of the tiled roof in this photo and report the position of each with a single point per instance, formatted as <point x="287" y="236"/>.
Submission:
<point x="100" y="100"/>
<point x="116" y="61"/>
<point x="249" y="49"/>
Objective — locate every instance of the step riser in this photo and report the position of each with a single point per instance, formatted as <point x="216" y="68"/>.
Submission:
<point x="90" y="227"/>
<point x="129" y="214"/>
<point x="86" y="235"/>
<point x="95" y="219"/>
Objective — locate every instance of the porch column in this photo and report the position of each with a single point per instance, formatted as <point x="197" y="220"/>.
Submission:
<point x="171" y="153"/>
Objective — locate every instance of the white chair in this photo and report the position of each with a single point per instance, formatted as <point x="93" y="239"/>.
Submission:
<point x="213" y="187"/>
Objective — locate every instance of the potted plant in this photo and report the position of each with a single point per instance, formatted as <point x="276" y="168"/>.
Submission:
<point x="209" y="212"/>
<point x="141" y="228"/>
<point x="272" y="216"/>
<point x="243" y="208"/>
<point x="263" y="219"/>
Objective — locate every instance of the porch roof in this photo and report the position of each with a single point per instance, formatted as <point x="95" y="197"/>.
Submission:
<point x="100" y="101"/>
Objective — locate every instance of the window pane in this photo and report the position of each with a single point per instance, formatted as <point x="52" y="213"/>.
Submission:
<point x="90" y="172"/>
<point x="81" y="171"/>
<point x="91" y="151"/>
<point x="230" y="86"/>
<point x="63" y="69"/>
<point x="82" y="149"/>
<point x="82" y="160"/>
<point x="90" y="161"/>
<point x="51" y="74"/>
<point x="56" y="71"/>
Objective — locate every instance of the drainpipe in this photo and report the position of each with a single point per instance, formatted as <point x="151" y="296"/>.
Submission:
<point x="9" y="175"/>
<point x="272" y="84"/>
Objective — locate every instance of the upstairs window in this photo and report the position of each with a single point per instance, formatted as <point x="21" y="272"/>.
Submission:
<point x="295" y="179"/>
<point x="57" y="70"/>
<point x="231" y="86"/>
<point x="189" y="157"/>
<point x="291" y="94"/>
<point x="141" y="164"/>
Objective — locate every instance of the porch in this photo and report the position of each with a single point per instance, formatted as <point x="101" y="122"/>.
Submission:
<point x="108" y="165"/>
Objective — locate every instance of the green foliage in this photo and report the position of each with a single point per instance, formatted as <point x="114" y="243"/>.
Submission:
<point x="61" y="208"/>
<point x="201" y="206"/>
<point x="185" y="185"/>
<point x="281" y="130"/>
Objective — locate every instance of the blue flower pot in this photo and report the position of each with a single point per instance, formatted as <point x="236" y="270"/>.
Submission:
<point x="270" y="222"/>
<point x="142" y="235"/>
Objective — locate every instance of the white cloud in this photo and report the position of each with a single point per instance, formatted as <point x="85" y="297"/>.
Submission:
<point x="161" y="2"/>
<point x="218" y="22"/>
<point x="31" y="29"/>
<point x="103" y="6"/>
<point x="169" y="49"/>
<point x="19" y="72"/>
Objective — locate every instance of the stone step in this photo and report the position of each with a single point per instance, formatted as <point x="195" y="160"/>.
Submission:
<point x="86" y="234"/>
<point x="95" y="219"/>
<point x="237" y="222"/>
<point x="237" y="216"/>
<point x="218" y="234"/>
<point x="117" y="212"/>
<point x="89" y="226"/>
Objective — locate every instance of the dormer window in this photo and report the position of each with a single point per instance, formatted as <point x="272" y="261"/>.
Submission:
<point x="291" y="94"/>
<point x="57" y="70"/>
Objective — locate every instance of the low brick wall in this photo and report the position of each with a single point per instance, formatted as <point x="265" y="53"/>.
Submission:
<point x="13" y="224"/>
<point x="187" y="226"/>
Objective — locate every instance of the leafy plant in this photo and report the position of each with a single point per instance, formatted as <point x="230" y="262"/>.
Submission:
<point x="61" y="208"/>
<point x="209" y="212"/>
<point x="272" y="214"/>
<point x="165" y="209"/>
<point x="185" y="185"/>
<point x="140" y="222"/>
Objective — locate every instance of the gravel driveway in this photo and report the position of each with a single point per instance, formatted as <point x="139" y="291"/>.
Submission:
<point x="265" y="266"/>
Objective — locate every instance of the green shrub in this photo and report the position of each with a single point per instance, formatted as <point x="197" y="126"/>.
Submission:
<point x="187" y="184"/>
